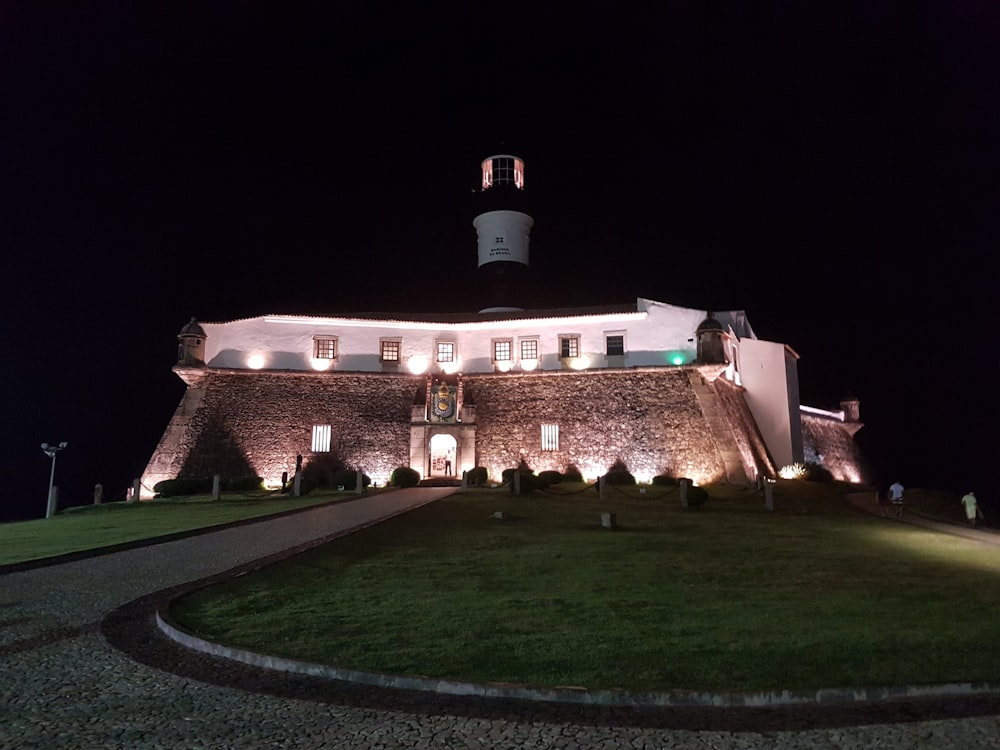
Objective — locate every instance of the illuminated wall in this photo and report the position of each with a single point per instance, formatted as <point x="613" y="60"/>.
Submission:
<point x="240" y="423"/>
<point x="649" y="418"/>
<point x="829" y="442"/>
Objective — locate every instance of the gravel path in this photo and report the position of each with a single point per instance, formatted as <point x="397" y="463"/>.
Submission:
<point x="82" y="666"/>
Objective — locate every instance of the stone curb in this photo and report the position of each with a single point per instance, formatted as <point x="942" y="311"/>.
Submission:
<point x="576" y="695"/>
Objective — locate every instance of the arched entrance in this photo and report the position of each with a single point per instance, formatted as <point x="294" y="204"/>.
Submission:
<point x="443" y="455"/>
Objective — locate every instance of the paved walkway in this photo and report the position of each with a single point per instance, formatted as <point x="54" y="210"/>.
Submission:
<point x="866" y="501"/>
<point x="82" y="666"/>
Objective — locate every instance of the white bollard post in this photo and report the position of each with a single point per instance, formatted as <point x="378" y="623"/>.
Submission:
<point x="216" y="486"/>
<point x="98" y="493"/>
<point x="297" y="484"/>
<point x="359" y="483"/>
<point x="136" y="490"/>
<point x="769" y="494"/>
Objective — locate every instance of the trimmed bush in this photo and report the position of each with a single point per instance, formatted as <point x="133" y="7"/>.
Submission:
<point x="529" y="481"/>
<point x="478" y="476"/>
<point x="696" y="496"/>
<point x="243" y="484"/>
<point x="818" y="473"/>
<point x="548" y="478"/>
<point x="321" y="468"/>
<point x="664" y="480"/>
<point x="572" y="474"/>
<point x="404" y="476"/>
<point x="619" y="478"/>
<point x="182" y="487"/>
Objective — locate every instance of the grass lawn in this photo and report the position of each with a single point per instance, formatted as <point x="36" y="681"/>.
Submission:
<point x="94" y="526"/>
<point x="723" y="596"/>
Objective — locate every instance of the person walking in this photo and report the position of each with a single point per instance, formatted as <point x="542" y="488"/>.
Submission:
<point x="882" y="499"/>
<point x="972" y="512"/>
<point x="896" y="497"/>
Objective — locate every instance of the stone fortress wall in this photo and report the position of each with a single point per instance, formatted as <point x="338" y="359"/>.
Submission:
<point x="243" y="423"/>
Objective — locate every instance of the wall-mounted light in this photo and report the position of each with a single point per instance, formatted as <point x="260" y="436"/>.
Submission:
<point x="255" y="361"/>
<point x="319" y="364"/>
<point x="417" y="364"/>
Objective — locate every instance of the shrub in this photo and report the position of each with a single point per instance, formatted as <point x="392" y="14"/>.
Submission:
<point x="182" y="487"/>
<point x="243" y="484"/>
<point x="619" y="478"/>
<point x="696" y="496"/>
<point x="404" y="476"/>
<point x="792" y="471"/>
<point x="321" y="469"/>
<point x="572" y="474"/>
<point x="477" y="476"/>
<point x="548" y="478"/>
<point x="664" y="480"/>
<point x="818" y="473"/>
<point x="529" y="481"/>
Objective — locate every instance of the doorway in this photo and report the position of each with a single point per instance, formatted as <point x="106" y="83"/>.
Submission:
<point x="443" y="455"/>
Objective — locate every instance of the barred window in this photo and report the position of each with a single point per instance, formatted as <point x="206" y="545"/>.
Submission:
<point x="325" y="347"/>
<point x="529" y="349"/>
<point x="502" y="350"/>
<point x="569" y="346"/>
<point x="615" y="344"/>
<point x="390" y="350"/>
<point x="550" y="437"/>
<point x="321" y="438"/>
<point x="445" y="351"/>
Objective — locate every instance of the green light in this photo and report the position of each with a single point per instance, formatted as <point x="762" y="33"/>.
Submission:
<point x="677" y="359"/>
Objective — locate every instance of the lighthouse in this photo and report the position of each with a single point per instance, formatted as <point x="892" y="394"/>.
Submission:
<point x="503" y="230"/>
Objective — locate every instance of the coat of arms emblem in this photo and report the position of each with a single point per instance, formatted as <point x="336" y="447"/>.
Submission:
<point x="443" y="403"/>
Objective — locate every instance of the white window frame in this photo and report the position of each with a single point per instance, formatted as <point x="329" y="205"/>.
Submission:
<point x="530" y="340"/>
<point x="320" y="350"/>
<point x="615" y="334"/>
<point x="440" y="354"/>
<point x="574" y="341"/>
<point x="385" y="345"/>
<point x="496" y="344"/>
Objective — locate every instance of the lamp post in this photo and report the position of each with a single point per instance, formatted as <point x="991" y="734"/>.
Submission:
<point x="51" y="451"/>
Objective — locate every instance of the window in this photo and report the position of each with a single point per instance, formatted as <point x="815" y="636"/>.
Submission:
<point x="615" y="344"/>
<point x="325" y="347"/>
<point x="569" y="346"/>
<point x="390" y="350"/>
<point x="529" y="348"/>
<point x="321" y="438"/>
<point x="502" y="350"/>
<point x="550" y="437"/>
<point x="445" y="351"/>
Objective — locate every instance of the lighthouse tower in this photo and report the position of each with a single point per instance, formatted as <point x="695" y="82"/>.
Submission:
<point x="503" y="230"/>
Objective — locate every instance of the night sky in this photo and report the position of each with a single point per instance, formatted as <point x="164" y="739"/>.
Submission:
<point x="832" y="172"/>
